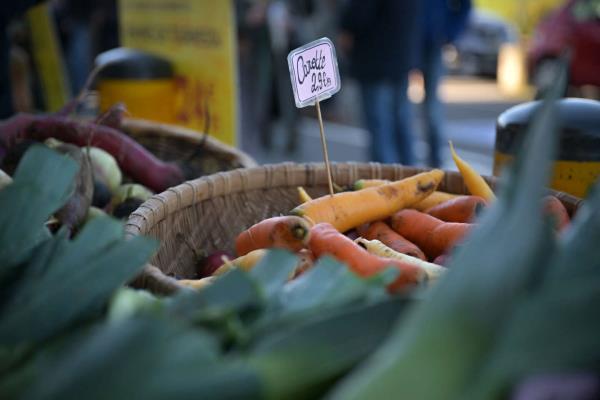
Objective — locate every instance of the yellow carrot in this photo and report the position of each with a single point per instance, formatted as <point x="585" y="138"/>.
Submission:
<point x="197" y="283"/>
<point x="433" y="271"/>
<point x="367" y="183"/>
<point x="432" y="200"/>
<point x="473" y="181"/>
<point x="348" y="210"/>
<point x="245" y="262"/>
<point x="304" y="197"/>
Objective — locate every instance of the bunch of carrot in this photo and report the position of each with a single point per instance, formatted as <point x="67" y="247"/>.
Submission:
<point x="407" y="225"/>
<point x="315" y="229"/>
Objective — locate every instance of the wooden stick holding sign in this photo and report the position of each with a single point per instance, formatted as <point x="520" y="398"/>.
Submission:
<point x="315" y="77"/>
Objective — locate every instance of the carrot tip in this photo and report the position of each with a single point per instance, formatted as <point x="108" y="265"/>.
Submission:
<point x="299" y="232"/>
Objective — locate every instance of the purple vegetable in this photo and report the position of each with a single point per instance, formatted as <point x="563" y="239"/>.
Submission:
<point x="211" y="263"/>
<point x="133" y="158"/>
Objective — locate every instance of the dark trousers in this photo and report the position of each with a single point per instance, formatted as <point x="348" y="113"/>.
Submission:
<point x="388" y="117"/>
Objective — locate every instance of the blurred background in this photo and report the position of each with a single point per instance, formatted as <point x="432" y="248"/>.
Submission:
<point x="479" y="58"/>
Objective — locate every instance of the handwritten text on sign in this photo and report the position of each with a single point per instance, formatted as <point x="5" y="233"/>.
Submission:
<point x="314" y="72"/>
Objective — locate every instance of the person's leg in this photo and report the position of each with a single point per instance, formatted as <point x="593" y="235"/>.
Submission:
<point x="79" y="55"/>
<point x="403" y="126"/>
<point x="433" y="111"/>
<point x="378" y="108"/>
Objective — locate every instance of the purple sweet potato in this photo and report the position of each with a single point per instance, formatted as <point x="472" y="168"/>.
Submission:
<point x="133" y="158"/>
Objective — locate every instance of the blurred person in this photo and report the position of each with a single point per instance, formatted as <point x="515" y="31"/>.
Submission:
<point x="441" y="22"/>
<point x="255" y="71"/>
<point x="73" y="21"/>
<point x="282" y="34"/>
<point x="379" y="36"/>
<point x="86" y="30"/>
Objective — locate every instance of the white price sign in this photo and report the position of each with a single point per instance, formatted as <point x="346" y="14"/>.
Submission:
<point x="314" y="72"/>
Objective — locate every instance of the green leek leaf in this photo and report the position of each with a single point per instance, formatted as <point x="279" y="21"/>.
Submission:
<point x="441" y="344"/>
<point x="41" y="185"/>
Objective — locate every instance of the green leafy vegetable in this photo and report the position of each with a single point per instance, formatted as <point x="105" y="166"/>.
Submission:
<point x="297" y="361"/>
<point x="141" y="358"/>
<point x="274" y="270"/>
<point x="78" y="278"/>
<point x="42" y="183"/>
<point x="440" y="346"/>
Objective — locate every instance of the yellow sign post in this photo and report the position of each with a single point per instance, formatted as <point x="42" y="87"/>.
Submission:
<point x="198" y="37"/>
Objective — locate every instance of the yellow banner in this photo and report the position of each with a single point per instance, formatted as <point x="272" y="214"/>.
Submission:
<point x="47" y="56"/>
<point x="199" y="37"/>
<point x="525" y="14"/>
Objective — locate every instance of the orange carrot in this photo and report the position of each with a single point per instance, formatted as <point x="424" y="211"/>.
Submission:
<point x="386" y="235"/>
<point x="555" y="208"/>
<point x="432" y="235"/>
<point x="325" y="239"/>
<point x="287" y="232"/>
<point x="460" y="209"/>
<point x="348" y="210"/>
<point x="433" y="200"/>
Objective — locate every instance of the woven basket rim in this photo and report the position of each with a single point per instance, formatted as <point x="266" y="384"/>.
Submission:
<point x="134" y="127"/>
<point x="206" y="187"/>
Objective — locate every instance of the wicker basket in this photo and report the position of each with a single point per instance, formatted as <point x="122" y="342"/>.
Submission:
<point x="206" y="214"/>
<point x="198" y="154"/>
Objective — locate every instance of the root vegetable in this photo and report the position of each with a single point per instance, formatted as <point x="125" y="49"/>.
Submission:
<point x="475" y="183"/>
<point x="378" y="248"/>
<point x="390" y="238"/>
<point x="286" y="232"/>
<point x="367" y="183"/>
<point x="303" y="196"/>
<point x="106" y="169"/>
<point x="433" y="236"/>
<point x="245" y="262"/>
<point x="433" y="200"/>
<point x="212" y="262"/>
<point x="129" y="190"/>
<point x="113" y="117"/>
<point x="326" y="240"/>
<point x="197" y="284"/>
<point x="348" y="210"/>
<point x="135" y="161"/>
<point x="459" y="209"/>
